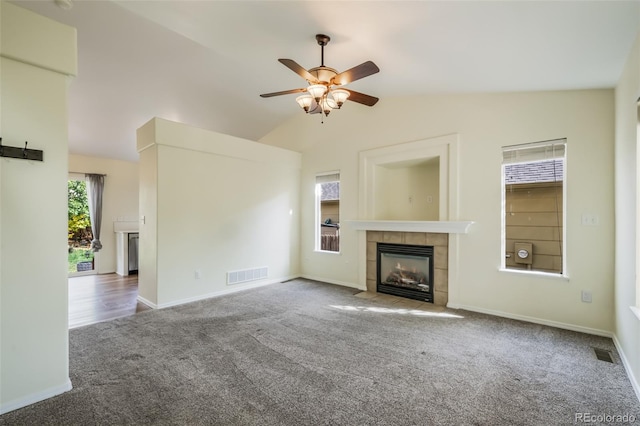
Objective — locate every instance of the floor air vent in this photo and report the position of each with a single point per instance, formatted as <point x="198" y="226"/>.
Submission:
<point x="237" y="277"/>
<point x="603" y="355"/>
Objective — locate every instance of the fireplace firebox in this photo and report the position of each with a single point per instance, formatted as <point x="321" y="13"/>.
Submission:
<point x="405" y="270"/>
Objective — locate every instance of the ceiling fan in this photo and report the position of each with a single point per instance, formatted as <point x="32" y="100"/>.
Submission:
<point x="325" y="91"/>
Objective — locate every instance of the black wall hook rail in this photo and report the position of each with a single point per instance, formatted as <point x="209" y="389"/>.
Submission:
<point x="21" y="153"/>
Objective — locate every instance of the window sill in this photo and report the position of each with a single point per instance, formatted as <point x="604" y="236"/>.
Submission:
<point x="636" y="311"/>
<point x="559" y="277"/>
<point x="327" y="251"/>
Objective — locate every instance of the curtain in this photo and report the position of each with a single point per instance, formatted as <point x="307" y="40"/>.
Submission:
<point x="95" y="187"/>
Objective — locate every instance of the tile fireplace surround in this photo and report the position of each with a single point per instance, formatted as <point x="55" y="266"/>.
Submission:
<point x="440" y="243"/>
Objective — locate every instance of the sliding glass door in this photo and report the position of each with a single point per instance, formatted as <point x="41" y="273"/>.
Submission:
<point x="81" y="259"/>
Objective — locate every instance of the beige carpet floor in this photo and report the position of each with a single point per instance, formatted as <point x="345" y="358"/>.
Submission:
<point x="309" y="353"/>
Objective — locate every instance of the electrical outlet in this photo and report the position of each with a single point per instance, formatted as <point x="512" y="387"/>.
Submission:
<point x="586" y="296"/>
<point x="198" y="274"/>
<point x="590" y="219"/>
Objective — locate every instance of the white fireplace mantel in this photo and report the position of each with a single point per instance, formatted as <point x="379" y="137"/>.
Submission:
<point x="458" y="227"/>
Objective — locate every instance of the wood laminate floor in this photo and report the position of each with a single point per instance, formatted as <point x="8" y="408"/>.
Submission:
<point x="96" y="298"/>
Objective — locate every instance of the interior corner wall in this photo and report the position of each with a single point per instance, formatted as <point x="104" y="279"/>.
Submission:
<point x="34" y="344"/>
<point x="627" y="325"/>
<point x="223" y="204"/>
<point x="120" y="200"/>
<point x="484" y="123"/>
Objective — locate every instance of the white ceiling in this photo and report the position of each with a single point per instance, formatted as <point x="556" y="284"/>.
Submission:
<point x="204" y="63"/>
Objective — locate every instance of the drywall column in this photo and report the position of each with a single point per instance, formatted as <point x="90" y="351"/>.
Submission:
<point x="148" y="210"/>
<point x="36" y="57"/>
<point x="213" y="204"/>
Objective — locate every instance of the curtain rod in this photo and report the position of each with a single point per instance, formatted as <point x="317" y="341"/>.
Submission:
<point x="86" y="173"/>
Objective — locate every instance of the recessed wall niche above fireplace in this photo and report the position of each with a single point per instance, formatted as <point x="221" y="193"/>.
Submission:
<point x="405" y="270"/>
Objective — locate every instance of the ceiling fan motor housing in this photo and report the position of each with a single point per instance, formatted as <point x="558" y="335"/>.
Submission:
<point x="323" y="74"/>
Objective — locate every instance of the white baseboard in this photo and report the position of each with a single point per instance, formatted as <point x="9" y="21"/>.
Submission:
<point x="147" y="302"/>
<point x="35" y="397"/>
<point x="330" y="281"/>
<point x="534" y="320"/>
<point x="627" y="367"/>
<point x="236" y="288"/>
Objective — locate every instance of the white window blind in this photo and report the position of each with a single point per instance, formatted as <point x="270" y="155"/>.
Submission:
<point x="328" y="177"/>
<point x="533" y="152"/>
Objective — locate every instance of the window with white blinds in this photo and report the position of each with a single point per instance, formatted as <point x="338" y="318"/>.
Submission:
<point x="533" y="219"/>
<point x="327" y="201"/>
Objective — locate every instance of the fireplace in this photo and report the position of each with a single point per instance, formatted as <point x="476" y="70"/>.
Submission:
<point x="405" y="270"/>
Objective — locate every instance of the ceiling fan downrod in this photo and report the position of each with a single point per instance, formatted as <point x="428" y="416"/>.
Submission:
<point x="322" y="40"/>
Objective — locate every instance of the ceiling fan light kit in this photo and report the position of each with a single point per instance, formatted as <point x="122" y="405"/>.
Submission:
<point x="317" y="91"/>
<point x="340" y="96"/>
<point x="324" y="92"/>
<point x="305" y="102"/>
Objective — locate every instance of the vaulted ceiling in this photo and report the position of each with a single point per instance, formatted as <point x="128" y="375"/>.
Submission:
<point x="205" y="63"/>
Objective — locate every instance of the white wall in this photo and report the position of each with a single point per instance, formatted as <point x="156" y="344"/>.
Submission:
<point x="627" y="325"/>
<point x="223" y="204"/>
<point x="485" y="123"/>
<point x="403" y="193"/>
<point x="34" y="342"/>
<point x="148" y="208"/>
<point x="120" y="200"/>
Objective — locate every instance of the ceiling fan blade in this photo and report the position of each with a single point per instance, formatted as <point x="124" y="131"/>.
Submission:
<point x="295" y="67"/>
<point x="284" y="92"/>
<point x="356" y="73"/>
<point x="361" y="98"/>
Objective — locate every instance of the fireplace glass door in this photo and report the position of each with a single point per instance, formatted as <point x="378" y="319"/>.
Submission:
<point x="405" y="270"/>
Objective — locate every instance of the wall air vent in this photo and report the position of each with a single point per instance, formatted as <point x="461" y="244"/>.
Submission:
<point x="245" y="275"/>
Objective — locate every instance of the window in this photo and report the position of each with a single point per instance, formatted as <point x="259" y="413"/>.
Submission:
<point x="328" y="212"/>
<point x="533" y="177"/>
